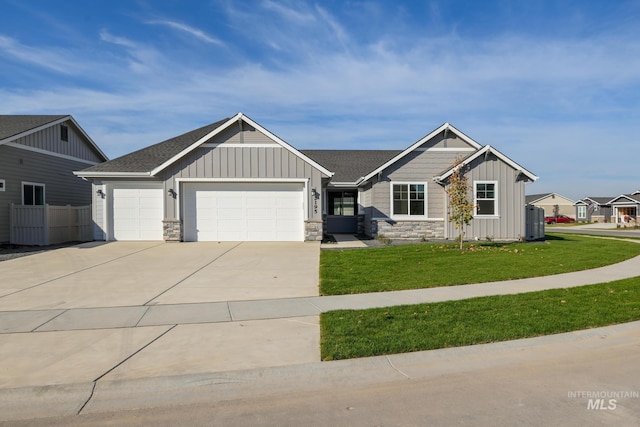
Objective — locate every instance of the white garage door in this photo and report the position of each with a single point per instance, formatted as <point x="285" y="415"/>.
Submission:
<point x="244" y="212"/>
<point x="137" y="214"/>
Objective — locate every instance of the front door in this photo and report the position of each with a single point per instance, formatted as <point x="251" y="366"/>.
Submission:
<point x="341" y="211"/>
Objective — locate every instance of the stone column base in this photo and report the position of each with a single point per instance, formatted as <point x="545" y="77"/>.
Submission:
<point x="172" y="230"/>
<point x="312" y="231"/>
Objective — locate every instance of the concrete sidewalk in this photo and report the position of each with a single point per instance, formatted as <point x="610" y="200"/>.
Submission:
<point x="282" y="308"/>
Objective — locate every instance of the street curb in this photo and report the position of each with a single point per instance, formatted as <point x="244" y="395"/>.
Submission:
<point x="108" y="396"/>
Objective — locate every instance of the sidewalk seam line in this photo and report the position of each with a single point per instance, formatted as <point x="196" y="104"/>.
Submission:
<point x="54" y="317"/>
<point x="229" y="310"/>
<point x="142" y="317"/>
<point x="135" y="352"/>
<point x="95" y="382"/>
<point x="193" y="273"/>
<point x="93" y="389"/>
<point x="78" y="271"/>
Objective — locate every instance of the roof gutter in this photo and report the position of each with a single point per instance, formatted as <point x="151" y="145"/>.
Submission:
<point x="113" y="174"/>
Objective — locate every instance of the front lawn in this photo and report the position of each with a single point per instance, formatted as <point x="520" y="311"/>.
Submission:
<point x="430" y="265"/>
<point x="360" y="333"/>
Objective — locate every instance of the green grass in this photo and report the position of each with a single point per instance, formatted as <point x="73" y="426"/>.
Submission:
<point x="361" y="333"/>
<point x="431" y="265"/>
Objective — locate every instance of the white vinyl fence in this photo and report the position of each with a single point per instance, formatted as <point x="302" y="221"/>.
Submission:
<point x="534" y="223"/>
<point x="49" y="225"/>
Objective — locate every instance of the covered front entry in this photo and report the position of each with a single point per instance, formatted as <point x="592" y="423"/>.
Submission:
<point x="626" y="214"/>
<point x="341" y="211"/>
<point x="243" y="211"/>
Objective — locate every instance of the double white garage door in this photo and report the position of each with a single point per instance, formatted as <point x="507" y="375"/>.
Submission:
<point x="214" y="212"/>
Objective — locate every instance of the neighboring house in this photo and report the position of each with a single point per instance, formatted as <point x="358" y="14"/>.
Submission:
<point x="625" y="208"/>
<point x="235" y="180"/>
<point x="38" y="155"/>
<point x="548" y="201"/>
<point x="593" y="209"/>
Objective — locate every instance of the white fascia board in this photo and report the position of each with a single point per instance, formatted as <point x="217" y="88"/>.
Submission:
<point x="53" y="123"/>
<point x="196" y="144"/>
<point x="490" y="149"/>
<point x="343" y="184"/>
<point x="243" y="180"/>
<point x="86" y="135"/>
<point x="231" y="121"/>
<point x="625" y="196"/>
<point x="34" y="130"/>
<point x="445" y="126"/>
<point x="464" y="137"/>
<point x="285" y="145"/>
<point x="48" y="153"/>
<point x="82" y="174"/>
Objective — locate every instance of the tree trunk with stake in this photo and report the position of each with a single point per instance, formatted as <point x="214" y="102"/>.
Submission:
<point x="460" y="209"/>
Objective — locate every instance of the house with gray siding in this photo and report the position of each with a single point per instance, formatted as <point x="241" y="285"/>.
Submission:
<point x="594" y="209"/>
<point x="625" y="208"/>
<point x="38" y="154"/>
<point x="234" y="180"/>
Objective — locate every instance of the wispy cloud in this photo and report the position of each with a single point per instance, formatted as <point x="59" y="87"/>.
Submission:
<point x="43" y="57"/>
<point x="548" y="102"/>
<point x="339" y="32"/>
<point x="195" y="32"/>
<point x="288" y="13"/>
<point x="121" y="41"/>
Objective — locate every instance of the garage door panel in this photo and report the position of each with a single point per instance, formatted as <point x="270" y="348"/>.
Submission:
<point x="244" y="212"/>
<point x="137" y="213"/>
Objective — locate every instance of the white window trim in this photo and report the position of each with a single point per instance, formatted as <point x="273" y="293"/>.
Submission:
<point x="408" y="217"/>
<point x="3" y="185"/>
<point x="44" y="191"/>
<point x="496" y="214"/>
<point x="582" y="212"/>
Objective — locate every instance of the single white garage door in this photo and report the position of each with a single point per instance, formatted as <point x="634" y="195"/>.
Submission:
<point x="137" y="214"/>
<point x="243" y="212"/>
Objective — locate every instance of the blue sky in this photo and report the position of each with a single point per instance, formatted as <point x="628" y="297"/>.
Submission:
<point x="555" y="85"/>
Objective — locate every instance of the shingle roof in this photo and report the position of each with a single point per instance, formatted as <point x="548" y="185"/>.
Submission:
<point x="350" y="165"/>
<point x="11" y="125"/>
<point x="147" y="159"/>
<point x="600" y="200"/>
<point x="533" y="197"/>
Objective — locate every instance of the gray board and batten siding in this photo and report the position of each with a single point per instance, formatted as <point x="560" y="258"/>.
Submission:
<point x="510" y="201"/>
<point x="419" y="166"/>
<point x="225" y="157"/>
<point x="48" y="139"/>
<point x="42" y="158"/>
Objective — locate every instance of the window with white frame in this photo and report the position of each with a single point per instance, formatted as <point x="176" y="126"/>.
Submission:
<point x="32" y="194"/>
<point x="486" y="198"/>
<point x="582" y="212"/>
<point x="408" y="199"/>
<point x="2" y="185"/>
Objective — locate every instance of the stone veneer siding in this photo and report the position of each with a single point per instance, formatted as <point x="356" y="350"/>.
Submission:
<point x="172" y="230"/>
<point x="313" y="231"/>
<point x="407" y="229"/>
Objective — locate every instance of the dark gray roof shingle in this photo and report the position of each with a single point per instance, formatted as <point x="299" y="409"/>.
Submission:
<point x="11" y="125"/>
<point x="533" y="197"/>
<point x="600" y="200"/>
<point x="149" y="158"/>
<point x="350" y="165"/>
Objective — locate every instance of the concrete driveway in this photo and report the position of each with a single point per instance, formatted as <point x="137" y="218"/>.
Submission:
<point x="121" y="274"/>
<point x="126" y="310"/>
